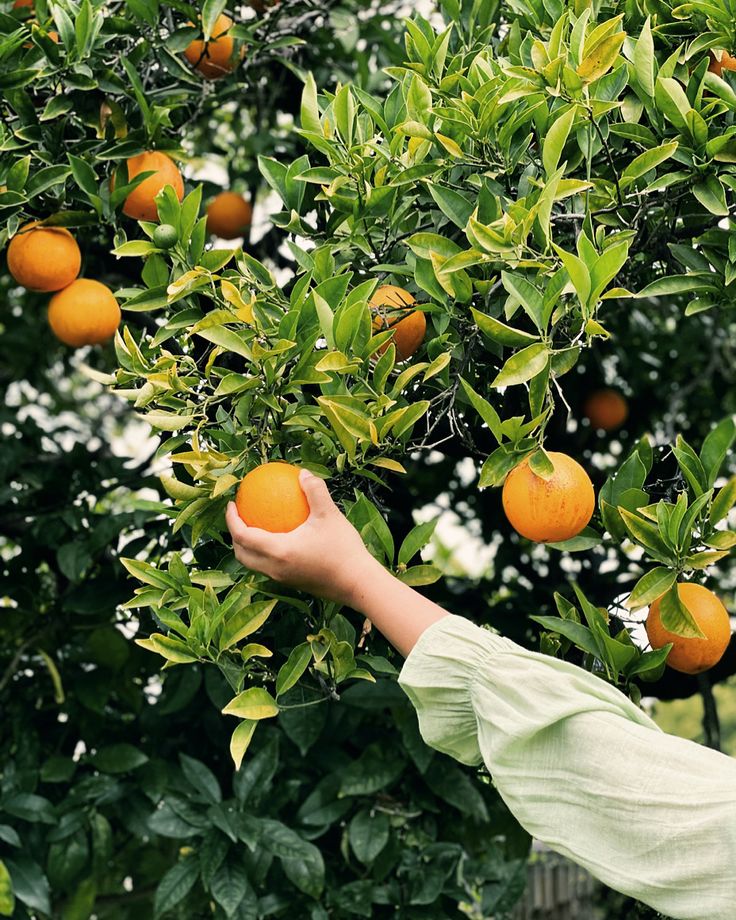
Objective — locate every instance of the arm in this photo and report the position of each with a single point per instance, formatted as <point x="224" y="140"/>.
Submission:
<point x="578" y="764"/>
<point x="326" y="557"/>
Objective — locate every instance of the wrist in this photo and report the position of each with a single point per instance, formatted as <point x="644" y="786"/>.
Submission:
<point x="366" y="574"/>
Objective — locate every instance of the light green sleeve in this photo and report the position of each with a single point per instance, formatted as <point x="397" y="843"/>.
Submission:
<point x="582" y="768"/>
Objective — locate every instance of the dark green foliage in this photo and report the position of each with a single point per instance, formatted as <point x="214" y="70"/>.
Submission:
<point x="556" y="194"/>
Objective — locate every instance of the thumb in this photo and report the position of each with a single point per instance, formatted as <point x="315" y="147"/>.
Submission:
<point x="318" y="495"/>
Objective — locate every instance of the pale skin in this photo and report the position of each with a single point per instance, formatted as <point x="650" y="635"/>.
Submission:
<point x="326" y="557"/>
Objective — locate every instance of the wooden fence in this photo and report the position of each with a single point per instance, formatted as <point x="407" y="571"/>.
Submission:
<point x="557" y="890"/>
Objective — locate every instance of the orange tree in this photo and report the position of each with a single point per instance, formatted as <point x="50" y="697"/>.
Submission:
<point x="550" y="186"/>
<point x="117" y="793"/>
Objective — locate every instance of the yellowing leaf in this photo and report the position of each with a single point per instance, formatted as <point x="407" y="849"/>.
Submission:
<point x="602" y="58"/>
<point x="241" y="740"/>
<point x="451" y="146"/>
<point x="171" y="649"/>
<point x="233" y="296"/>
<point x="255" y="703"/>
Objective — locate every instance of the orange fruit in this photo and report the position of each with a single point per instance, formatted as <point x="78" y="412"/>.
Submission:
<point x="693" y="655"/>
<point x="140" y="202"/>
<point x="84" y="313"/>
<point x="606" y="409"/>
<point x="549" y="510"/>
<point x="44" y="258"/>
<point x="726" y="62"/>
<point x="22" y="4"/>
<point x="228" y="215"/>
<point x="215" y="58"/>
<point x="271" y="498"/>
<point x="391" y="308"/>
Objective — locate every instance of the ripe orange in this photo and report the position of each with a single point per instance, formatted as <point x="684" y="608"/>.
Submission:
<point x="549" y="510"/>
<point x="391" y="308"/>
<point x="693" y="655"/>
<point x="606" y="409"/>
<point x="228" y="215"/>
<point x="271" y="498"/>
<point x="84" y="313"/>
<point x="726" y="62"/>
<point x="140" y="203"/>
<point x="44" y="258"/>
<point x="22" y="4"/>
<point x="215" y="58"/>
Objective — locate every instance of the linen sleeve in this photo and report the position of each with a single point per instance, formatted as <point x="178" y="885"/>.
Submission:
<point x="582" y="768"/>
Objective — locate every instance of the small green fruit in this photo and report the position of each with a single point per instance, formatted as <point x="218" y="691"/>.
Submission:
<point x="165" y="236"/>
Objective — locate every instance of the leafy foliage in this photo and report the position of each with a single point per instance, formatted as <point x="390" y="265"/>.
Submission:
<point x="553" y="182"/>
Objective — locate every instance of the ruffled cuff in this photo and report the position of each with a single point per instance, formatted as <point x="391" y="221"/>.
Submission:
<point x="437" y="676"/>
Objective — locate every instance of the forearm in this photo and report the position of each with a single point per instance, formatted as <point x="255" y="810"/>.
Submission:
<point x="399" y="612"/>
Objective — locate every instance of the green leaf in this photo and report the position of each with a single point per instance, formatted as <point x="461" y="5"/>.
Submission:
<point x="211" y="11"/>
<point x="690" y="464"/>
<point x="484" y="409"/>
<point x="723" y="502"/>
<point x="30" y="885"/>
<point x="417" y="537"/>
<point x="202" y="779"/>
<point x="675" y="616"/>
<point x="419" y="575"/>
<point x="255" y="703"/>
<point x="541" y="465"/>
<point x="175" y="886"/>
<point x="704" y="559"/>
<point x="715" y="447"/>
<point x="578" y="634"/>
<point x="452" y="204"/>
<point x="230" y="887"/>
<point x="678" y="284"/>
<point x="555" y="140"/>
<point x="522" y="366"/>
<point x="500" y="332"/>
<point x="645" y="162"/>
<point x="306" y="871"/>
<point x="711" y="194"/>
<point x="138" y="90"/>
<point x="578" y="271"/>
<point x="343" y="108"/>
<point x="529" y="298"/>
<point x="118" y="758"/>
<point x="644" y="59"/>
<point x="650" y="586"/>
<point x="647" y="535"/>
<point x="244" y="622"/>
<point x="375" y="769"/>
<point x="368" y="833"/>
<point x="296" y="664"/>
<point x="497" y="467"/>
<point x="310" y="108"/>
<point x="585" y="540"/>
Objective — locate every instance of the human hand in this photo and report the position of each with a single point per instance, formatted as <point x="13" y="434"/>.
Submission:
<point x="324" y="556"/>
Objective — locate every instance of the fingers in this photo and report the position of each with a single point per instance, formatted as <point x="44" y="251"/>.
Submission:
<point x="318" y="495"/>
<point x="250" y="539"/>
